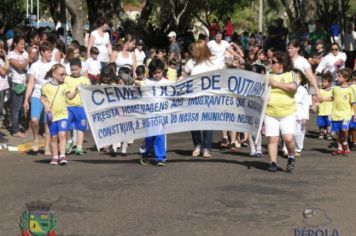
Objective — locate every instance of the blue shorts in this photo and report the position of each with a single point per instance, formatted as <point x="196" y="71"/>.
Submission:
<point x="37" y="109"/>
<point x="77" y="119"/>
<point x="338" y="126"/>
<point x="323" y="121"/>
<point x="58" y="126"/>
<point x="352" y="123"/>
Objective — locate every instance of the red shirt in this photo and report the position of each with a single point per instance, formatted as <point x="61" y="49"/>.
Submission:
<point x="229" y="29"/>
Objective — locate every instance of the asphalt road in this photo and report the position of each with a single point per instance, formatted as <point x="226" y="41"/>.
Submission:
<point x="228" y="194"/>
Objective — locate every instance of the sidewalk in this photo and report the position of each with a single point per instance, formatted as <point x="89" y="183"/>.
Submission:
<point x="19" y="144"/>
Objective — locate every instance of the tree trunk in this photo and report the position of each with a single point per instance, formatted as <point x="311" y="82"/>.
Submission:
<point x="145" y="14"/>
<point x="75" y="10"/>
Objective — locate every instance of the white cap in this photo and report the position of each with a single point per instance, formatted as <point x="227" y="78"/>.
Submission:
<point x="172" y="34"/>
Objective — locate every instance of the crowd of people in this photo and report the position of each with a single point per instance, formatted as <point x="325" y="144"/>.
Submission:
<point x="40" y="74"/>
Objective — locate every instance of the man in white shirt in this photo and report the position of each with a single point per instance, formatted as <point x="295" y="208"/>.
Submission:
<point x="350" y="44"/>
<point x="37" y="78"/>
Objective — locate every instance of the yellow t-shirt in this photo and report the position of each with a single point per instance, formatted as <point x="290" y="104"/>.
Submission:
<point x="57" y="100"/>
<point x="72" y="84"/>
<point x="325" y="107"/>
<point x="281" y="103"/>
<point x="172" y="74"/>
<point x="343" y="98"/>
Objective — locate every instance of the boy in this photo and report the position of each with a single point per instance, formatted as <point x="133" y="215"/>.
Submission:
<point x="156" y="143"/>
<point x="353" y="121"/>
<point x="94" y="66"/>
<point x="140" y="73"/>
<point x="343" y="102"/>
<point x="76" y="114"/>
<point x="325" y="106"/>
<point x="53" y="98"/>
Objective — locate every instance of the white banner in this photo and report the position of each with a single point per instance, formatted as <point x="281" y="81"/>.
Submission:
<point x="221" y="100"/>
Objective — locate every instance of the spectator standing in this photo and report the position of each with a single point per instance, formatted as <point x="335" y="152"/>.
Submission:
<point x="175" y="50"/>
<point x="350" y="45"/>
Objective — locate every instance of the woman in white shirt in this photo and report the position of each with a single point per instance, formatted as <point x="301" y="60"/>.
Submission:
<point x="125" y="56"/>
<point x="100" y="38"/>
<point x="203" y="61"/>
<point x="19" y="60"/>
<point x="332" y="62"/>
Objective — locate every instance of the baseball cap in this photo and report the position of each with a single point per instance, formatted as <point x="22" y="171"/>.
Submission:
<point x="172" y="34"/>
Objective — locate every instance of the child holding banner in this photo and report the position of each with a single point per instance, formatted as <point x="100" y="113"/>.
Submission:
<point x="76" y="114"/>
<point x="53" y="98"/>
<point x="157" y="143"/>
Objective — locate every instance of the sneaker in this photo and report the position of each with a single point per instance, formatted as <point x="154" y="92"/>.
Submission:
<point x="62" y="161"/>
<point x="298" y="154"/>
<point x="321" y="136"/>
<point x="196" y="151"/>
<point x="290" y="164"/>
<point x="159" y="162"/>
<point x="338" y="152"/>
<point x="54" y="161"/>
<point x="273" y="167"/>
<point x="69" y="148"/>
<point x="329" y="137"/>
<point x="224" y="143"/>
<point x="252" y="154"/>
<point x="206" y="153"/>
<point x="79" y="151"/>
<point x="258" y="154"/>
<point x="346" y="150"/>
<point x="144" y="160"/>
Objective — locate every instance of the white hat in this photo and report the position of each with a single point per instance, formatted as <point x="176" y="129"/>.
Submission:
<point x="172" y="34"/>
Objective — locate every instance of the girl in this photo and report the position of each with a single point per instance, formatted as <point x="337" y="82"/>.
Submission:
<point x="4" y="83"/>
<point x="53" y="98"/>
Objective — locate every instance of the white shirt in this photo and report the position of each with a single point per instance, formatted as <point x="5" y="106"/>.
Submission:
<point x="4" y="83"/>
<point x="18" y="77"/>
<point x="207" y="66"/>
<point x="218" y="50"/>
<point x="328" y="63"/>
<point x="301" y="64"/>
<point x="39" y="70"/>
<point x="140" y="57"/>
<point x="121" y="61"/>
<point x="302" y="101"/>
<point x="350" y="41"/>
<point x="102" y="44"/>
<point x="93" y="66"/>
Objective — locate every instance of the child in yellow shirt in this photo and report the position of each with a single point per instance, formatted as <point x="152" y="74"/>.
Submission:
<point x="325" y="107"/>
<point x="76" y="116"/>
<point x="353" y="121"/>
<point x="344" y="102"/>
<point x="172" y="71"/>
<point x="53" y="98"/>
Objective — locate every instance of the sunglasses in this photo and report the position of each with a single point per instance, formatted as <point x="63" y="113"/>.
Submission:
<point x="334" y="49"/>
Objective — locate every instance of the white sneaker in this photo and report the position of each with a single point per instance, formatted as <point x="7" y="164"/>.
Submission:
<point x="206" y="153"/>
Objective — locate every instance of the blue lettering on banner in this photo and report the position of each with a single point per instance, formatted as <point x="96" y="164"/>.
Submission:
<point x="218" y="116"/>
<point x="156" y="121"/>
<point x="210" y="82"/>
<point x="245" y="87"/>
<point x="116" y="129"/>
<point x="102" y="116"/>
<point x="245" y="119"/>
<point x="211" y="101"/>
<point x="115" y="94"/>
<point x="175" y="90"/>
<point x="188" y="117"/>
<point x="145" y="108"/>
<point x="254" y="106"/>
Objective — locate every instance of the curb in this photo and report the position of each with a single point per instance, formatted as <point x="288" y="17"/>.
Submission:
<point x="23" y="147"/>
